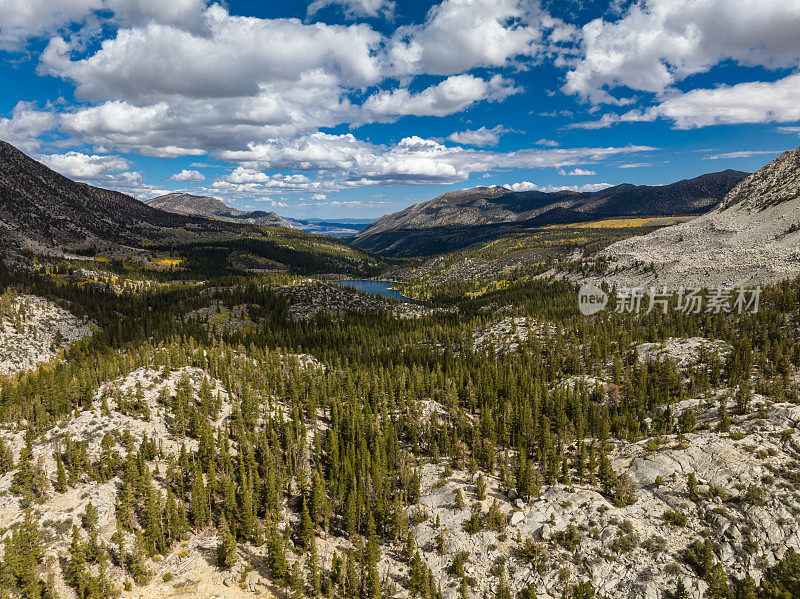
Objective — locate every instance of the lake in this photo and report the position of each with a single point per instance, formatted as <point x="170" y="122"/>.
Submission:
<point x="382" y="288"/>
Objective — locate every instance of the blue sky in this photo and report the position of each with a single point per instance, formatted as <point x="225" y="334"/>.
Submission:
<point x="356" y="108"/>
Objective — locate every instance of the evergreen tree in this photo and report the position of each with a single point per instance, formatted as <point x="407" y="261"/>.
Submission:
<point x="226" y="547"/>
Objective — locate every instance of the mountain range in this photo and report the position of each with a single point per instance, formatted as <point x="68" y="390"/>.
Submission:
<point x="457" y="219"/>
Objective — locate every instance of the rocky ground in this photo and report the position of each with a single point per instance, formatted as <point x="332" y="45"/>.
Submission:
<point x="219" y="316"/>
<point x="746" y="502"/>
<point x="752" y="237"/>
<point x="683" y="352"/>
<point x="35" y="330"/>
<point x="507" y="334"/>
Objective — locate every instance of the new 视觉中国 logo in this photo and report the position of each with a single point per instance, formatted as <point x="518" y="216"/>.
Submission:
<point x="591" y="299"/>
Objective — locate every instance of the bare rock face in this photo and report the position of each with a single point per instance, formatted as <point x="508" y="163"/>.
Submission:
<point x="35" y="330"/>
<point x="743" y="504"/>
<point x="752" y="237"/>
<point x="683" y="352"/>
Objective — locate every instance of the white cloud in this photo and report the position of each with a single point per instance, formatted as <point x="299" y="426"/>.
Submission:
<point x="576" y="172"/>
<point x="184" y="13"/>
<point x="319" y="196"/>
<point x="235" y="57"/>
<point x="550" y="143"/>
<point x="84" y="167"/>
<point x="751" y="102"/>
<point x="459" y="35"/>
<point x="528" y="186"/>
<point x="452" y="95"/>
<point x="25" y="125"/>
<point x="741" y="154"/>
<point x="659" y="42"/>
<point x="166" y="86"/>
<point x="789" y="129"/>
<point x="478" y="137"/>
<point x="106" y="171"/>
<point x="350" y="162"/>
<point x="635" y="165"/>
<point x="21" y="20"/>
<point x="188" y="176"/>
<point x="356" y="8"/>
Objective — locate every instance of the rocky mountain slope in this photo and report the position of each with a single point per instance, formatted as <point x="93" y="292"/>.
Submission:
<point x="735" y="489"/>
<point x="46" y="212"/>
<point x="753" y="236"/>
<point x="213" y="208"/>
<point x="34" y="330"/>
<point x="495" y="211"/>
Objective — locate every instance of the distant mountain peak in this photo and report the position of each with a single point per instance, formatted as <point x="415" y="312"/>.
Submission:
<point x="214" y="208"/>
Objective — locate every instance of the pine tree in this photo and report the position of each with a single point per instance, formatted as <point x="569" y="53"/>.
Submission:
<point x="199" y="502"/>
<point x="312" y="571"/>
<point x="372" y="555"/>
<point x="278" y="564"/>
<point x="502" y="591"/>
<point x="480" y="488"/>
<point x="319" y="507"/>
<point x="61" y="475"/>
<point x="417" y="577"/>
<point x="226" y="547"/>
<point x="305" y="530"/>
<point x="296" y="582"/>
<point x="745" y="588"/>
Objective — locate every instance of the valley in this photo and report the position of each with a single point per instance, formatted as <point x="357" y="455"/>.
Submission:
<point x="209" y="409"/>
<point x="371" y="299"/>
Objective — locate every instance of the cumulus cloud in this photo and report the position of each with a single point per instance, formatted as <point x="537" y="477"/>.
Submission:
<point x="452" y="95"/>
<point x="84" y="167"/>
<point x="659" y="42"/>
<point x="528" y="186"/>
<point x="350" y="162"/>
<point x="183" y="78"/>
<point x="356" y="8"/>
<point x="25" y="125"/>
<point x="107" y="171"/>
<point x="459" y="35"/>
<point x="749" y="102"/>
<point x="22" y="20"/>
<point x="478" y="137"/>
<point x="188" y="176"/>
<point x="235" y="57"/>
<point x="184" y="13"/>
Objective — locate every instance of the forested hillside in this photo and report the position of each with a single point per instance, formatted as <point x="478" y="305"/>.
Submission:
<point x="505" y="445"/>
